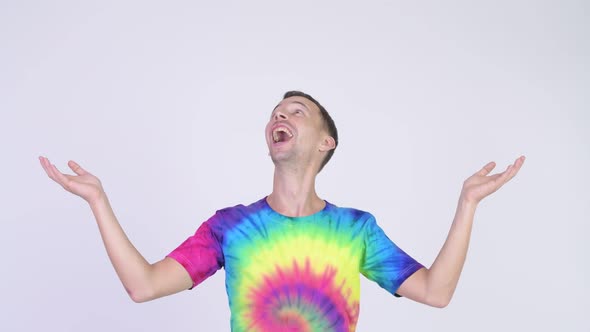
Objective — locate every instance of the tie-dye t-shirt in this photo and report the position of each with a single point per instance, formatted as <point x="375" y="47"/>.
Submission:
<point x="294" y="273"/>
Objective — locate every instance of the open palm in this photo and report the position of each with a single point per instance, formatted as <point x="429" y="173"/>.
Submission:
<point x="480" y="184"/>
<point x="82" y="184"/>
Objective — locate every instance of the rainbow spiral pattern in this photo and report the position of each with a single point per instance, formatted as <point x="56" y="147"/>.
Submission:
<point x="294" y="273"/>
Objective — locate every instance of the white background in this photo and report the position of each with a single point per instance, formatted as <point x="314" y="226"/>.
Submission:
<point x="166" y="103"/>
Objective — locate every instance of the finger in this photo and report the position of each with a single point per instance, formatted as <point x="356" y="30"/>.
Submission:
<point x="54" y="173"/>
<point x="53" y="176"/>
<point x="505" y="176"/>
<point x="496" y="181"/>
<point x="77" y="168"/>
<point x="519" y="162"/>
<point x="514" y="168"/>
<point x="49" y="170"/>
<point x="61" y="178"/>
<point x="44" y="163"/>
<point x="486" y="169"/>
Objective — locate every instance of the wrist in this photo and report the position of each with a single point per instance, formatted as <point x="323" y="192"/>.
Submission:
<point x="98" y="200"/>
<point x="466" y="204"/>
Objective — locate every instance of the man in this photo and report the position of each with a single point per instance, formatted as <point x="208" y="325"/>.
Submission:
<point x="293" y="261"/>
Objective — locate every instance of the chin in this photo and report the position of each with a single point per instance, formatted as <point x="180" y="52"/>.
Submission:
<point x="279" y="157"/>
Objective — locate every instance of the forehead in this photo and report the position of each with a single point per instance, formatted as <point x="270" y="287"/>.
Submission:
<point x="297" y="100"/>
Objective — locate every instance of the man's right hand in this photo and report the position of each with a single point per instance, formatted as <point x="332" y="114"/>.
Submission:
<point x="83" y="184"/>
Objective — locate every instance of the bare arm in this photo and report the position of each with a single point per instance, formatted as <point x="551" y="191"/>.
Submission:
<point x="435" y="286"/>
<point x="142" y="281"/>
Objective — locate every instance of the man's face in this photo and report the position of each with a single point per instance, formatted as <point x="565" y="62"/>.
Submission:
<point x="295" y="130"/>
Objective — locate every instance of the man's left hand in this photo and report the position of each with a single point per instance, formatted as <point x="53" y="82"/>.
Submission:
<point x="480" y="184"/>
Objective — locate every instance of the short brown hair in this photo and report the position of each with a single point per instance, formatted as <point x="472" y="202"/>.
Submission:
<point x="328" y="122"/>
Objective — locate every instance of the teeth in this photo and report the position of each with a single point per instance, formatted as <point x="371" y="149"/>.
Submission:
<point x="275" y="133"/>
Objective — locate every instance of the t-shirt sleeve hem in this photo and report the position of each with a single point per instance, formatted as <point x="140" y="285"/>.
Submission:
<point x="185" y="262"/>
<point x="411" y="269"/>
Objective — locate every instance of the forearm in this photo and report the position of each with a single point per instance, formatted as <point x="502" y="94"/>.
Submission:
<point x="133" y="270"/>
<point x="444" y="273"/>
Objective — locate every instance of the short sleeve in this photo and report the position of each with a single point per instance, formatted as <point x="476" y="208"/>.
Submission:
<point x="384" y="262"/>
<point x="201" y="254"/>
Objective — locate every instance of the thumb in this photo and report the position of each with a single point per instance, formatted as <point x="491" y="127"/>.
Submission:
<point x="76" y="168"/>
<point x="486" y="169"/>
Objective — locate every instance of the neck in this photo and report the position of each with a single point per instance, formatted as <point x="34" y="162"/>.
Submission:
<point x="293" y="192"/>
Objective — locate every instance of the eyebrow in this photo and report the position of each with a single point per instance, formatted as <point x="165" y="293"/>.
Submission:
<point x="293" y="102"/>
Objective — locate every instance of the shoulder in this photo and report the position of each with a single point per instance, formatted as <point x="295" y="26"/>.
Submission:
<point x="228" y="218"/>
<point x="236" y="212"/>
<point x="242" y="209"/>
<point x="355" y="214"/>
<point x="348" y="210"/>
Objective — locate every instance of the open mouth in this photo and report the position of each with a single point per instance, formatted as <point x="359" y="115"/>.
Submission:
<point x="281" y="134"/>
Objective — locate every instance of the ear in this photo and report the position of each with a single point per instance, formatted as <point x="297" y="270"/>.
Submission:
<point x="327" y="144"/>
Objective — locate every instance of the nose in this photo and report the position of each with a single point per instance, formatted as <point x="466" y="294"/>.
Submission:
<point x="279" y="115"/>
